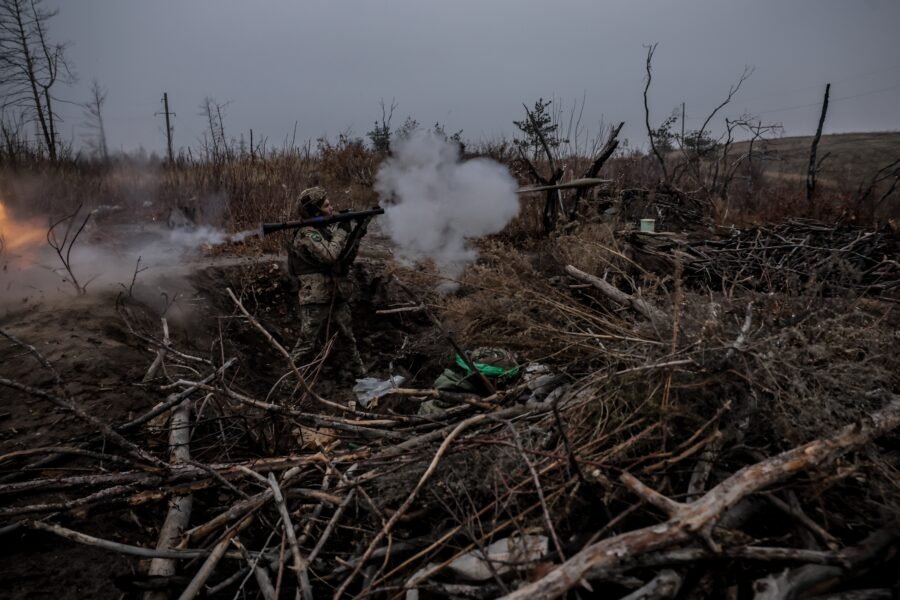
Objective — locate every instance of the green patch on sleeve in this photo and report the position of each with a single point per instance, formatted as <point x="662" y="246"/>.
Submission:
<point x="314" y="236"/>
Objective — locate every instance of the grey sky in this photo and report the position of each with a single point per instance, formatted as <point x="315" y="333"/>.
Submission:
<point x="471" y="63"/>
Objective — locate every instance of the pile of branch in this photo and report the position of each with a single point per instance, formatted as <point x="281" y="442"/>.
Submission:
<point x="797" y="256"/>
<point x="629" y="482"/>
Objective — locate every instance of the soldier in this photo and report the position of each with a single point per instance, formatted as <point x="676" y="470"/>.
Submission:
<point x="320" y="259"/>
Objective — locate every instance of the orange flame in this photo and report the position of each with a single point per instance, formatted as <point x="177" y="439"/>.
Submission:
<point x="18" y="234"/>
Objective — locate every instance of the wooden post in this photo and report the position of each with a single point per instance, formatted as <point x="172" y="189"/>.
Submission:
<point x="168" y="126"/>
<point x="813" y="167"/>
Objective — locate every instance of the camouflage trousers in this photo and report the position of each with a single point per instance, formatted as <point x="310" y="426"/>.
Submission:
<point x="325" y="319"/>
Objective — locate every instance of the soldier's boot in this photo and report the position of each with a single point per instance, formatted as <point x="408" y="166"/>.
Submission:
<point x="301" y="353"/>
<point x="357" y="367"/>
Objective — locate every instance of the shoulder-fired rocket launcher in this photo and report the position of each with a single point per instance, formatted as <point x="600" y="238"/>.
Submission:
<point x="339" y="217"/>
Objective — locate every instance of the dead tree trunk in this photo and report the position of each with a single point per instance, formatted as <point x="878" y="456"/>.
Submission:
<point x="650" y="133"/>
<point x="612" y="142"/>
<point x="813" y="169"/>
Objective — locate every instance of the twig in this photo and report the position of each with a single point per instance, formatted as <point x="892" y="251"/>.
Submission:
<point x="160" y="353"/>
<point x="551" y="530"/>
<point x="212" y="560"/>
<point x="403" y="309"/>
<point x="89" y="540"/>
<point x="260" y="573"/>
<point x="825" y="537"/>
<point x="300" y="565"/>
<point x="175" y="399"/>
<point x="108" y="431"/>
<point x="334" y="518"/>
<point x="412" y="496"/>
<point x="275" y="345"/>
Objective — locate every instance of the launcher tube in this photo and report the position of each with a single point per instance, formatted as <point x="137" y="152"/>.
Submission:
<point x="341" y="217"/>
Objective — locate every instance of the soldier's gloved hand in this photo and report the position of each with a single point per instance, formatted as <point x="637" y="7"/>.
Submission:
<point x="339" y="234"/>
<point x="346" y="226"/>
<point x="364" y="224"/>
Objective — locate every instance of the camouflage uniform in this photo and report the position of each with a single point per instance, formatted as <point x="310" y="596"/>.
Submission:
<point x="315" y="259"/>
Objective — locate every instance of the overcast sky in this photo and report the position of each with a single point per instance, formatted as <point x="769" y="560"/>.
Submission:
<point x="470" y="64"/>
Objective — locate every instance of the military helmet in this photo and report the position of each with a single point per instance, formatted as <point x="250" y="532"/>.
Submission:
<point x="310" y="201"/>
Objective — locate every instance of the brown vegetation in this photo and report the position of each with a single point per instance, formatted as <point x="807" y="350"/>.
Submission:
<point x="722" y="421"/>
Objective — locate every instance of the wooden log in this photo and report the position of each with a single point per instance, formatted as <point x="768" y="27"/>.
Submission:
<point x="300" y="565"/>
<point x="659" y="318"/>
<point x="179" y="515"/>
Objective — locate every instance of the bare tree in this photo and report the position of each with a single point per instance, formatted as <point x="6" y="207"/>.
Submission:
<point x="30" y="65"/>
<point x="13" y="143"/>
<point x="93" y="111"/>
<point x="380" y="135"/>
<point x="541" y="133"/>
<point x="889" y="172"/>
<point x="63" y="245"/>
<point x="757" y="131"/>
<point x="215" y="144"/>
<point x="702" y="145"/>
<point x="650" y="133"/>
<point x="537" y="126"/>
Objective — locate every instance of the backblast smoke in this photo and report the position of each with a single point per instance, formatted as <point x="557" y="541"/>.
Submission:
<point x="105" y="255"/>
<point x="434" y="201"/>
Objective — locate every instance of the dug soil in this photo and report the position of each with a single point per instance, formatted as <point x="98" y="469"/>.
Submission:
<point x="100" y="345"/>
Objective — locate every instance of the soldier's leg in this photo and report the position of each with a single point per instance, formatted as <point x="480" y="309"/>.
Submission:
<point x="312" y="319"/>
<point x="343" y="320"/>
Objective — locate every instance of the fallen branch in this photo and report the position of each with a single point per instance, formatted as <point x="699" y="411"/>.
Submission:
<point x="698" y="518"/>
<point x="179" y="515"/>
<point x="69" y="404"/>
<point x="462" y="426"/>
<point x="659" y="318"/>
<point x="160" y="353"/>
<point x="89" y="540"/>
<point x="211" y="561"/>
<point x="300" y="565"/>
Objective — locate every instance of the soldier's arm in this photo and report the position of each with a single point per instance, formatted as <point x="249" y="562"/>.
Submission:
<point x="353" y="248"/>
<point x="325" y="252"/>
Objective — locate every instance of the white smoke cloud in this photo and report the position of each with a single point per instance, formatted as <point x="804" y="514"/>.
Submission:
<point x="434" y="201"/>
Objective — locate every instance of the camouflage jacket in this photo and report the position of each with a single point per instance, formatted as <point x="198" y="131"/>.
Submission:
<point x="314" y="258"/>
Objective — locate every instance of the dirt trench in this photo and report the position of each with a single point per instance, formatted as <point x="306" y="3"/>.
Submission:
<point x="100" y="346"/>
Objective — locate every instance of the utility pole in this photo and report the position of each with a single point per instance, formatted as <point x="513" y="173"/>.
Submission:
<point x="166" y="112"/>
